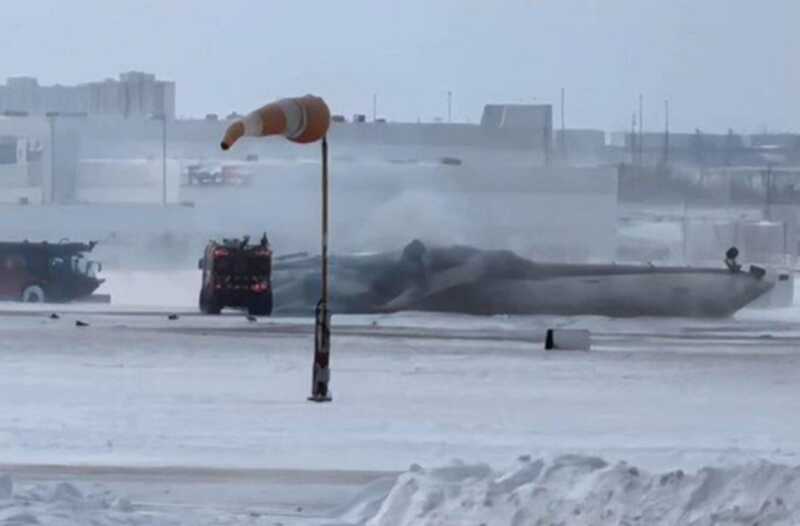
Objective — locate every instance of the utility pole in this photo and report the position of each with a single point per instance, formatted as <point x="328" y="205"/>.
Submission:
<point x="374" y="107"/>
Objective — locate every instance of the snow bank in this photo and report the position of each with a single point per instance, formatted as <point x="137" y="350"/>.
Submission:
<point x="65" y="504"/>
<point x="581" y="490"/>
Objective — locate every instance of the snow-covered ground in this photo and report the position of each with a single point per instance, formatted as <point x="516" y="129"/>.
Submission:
<point x="66" y="504"/>
<point x="210" y="413"/>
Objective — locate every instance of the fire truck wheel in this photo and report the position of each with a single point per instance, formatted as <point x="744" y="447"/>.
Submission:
<point x="208" y="305"/>
<point x="261" y="306"/>
<point x="33" y="294"/>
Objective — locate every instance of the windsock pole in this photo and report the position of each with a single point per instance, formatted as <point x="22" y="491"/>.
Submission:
<point x="302" y="120"/>
<point x="321" y="373"/>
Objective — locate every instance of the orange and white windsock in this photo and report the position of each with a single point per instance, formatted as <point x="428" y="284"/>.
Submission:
<point x="300" y="119"/>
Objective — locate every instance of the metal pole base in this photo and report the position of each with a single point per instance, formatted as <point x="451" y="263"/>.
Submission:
<point x="320" y="399"/>
<point x="321" y="374"/>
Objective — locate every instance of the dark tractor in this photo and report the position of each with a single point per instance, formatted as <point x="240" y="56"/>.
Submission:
<point x="237" y="274"/>
<point x="47" y="272"/>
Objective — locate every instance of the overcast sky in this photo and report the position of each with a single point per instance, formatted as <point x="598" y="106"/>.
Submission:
<point x="722" y="63"/>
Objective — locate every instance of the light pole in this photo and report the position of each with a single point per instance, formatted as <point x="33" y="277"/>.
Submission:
<point x="302" y="120"/>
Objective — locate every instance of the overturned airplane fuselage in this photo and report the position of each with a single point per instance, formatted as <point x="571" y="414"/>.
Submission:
<point x="472" y="281"/>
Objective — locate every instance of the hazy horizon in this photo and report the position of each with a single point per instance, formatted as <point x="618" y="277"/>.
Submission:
<point x="723" y="64"/>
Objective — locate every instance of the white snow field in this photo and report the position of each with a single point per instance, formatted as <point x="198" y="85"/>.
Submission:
<point x="204" y="420"/>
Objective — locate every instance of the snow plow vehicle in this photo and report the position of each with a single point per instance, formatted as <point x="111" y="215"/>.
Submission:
<point x="236" y="274"/>
<point x="47" y="272"/>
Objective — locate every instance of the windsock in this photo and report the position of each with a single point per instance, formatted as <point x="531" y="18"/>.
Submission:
<point x="301" y="119"/>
